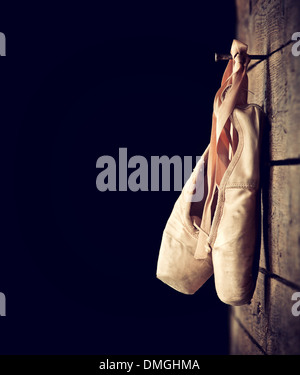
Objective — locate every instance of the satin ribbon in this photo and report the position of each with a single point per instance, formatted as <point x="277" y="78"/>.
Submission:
<point x="235" y="80"/>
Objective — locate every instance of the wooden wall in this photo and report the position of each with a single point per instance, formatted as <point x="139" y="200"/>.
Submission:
<point x="267" y="325"/>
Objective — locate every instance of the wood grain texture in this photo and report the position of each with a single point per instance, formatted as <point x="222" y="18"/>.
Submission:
<point x="267" y="325"/>
<point x="280" y="254"/>
<point x="241" y="342"/>
<point x="283" y="327"/>
<point x="254" y="317"/>
<point x="268" y="320"/>
<point x="275" y="81"/>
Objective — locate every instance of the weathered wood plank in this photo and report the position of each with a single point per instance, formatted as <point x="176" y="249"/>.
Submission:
<point x="275" y="82"/>
<point x="243" y="15"/>
<point x="254" y="317"/>
<point x="284" y="230"/>
<point x="267" y="26"/>
<point x="268" y="320"/>
<point x="284" y="327"/>
<point x="240" y="342"/>
<point x="281" y="255"/>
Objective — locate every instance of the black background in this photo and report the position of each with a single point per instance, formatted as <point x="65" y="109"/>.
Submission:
<point x="80" y="81"/>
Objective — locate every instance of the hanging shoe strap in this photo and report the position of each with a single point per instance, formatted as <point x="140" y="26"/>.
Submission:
<point x="236" y="80"/>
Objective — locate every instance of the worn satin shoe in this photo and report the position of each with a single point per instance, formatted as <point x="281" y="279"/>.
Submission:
<point x="177" y="266"/>
<point x="219" y="232"/>
<point x="231" y="215"/>
<point x="234" y="235"/>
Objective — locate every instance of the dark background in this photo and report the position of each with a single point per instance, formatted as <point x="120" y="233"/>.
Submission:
<point x="78" y="266"/>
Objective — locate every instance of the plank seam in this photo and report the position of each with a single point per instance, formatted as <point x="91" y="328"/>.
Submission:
<point x="293" y="161"/>
<point x="279" y="278"/>
<point x="251" y="338"/>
